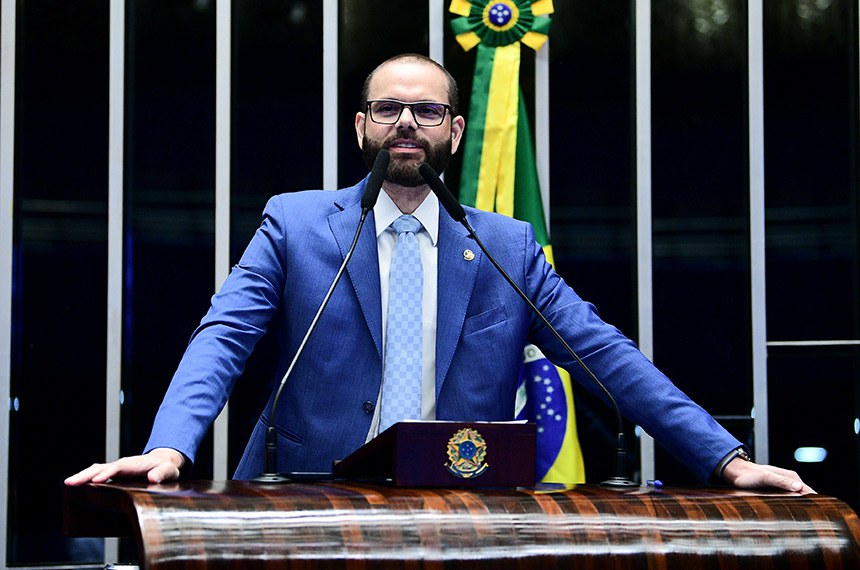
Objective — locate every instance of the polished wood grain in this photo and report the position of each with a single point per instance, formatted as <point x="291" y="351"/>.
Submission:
<point x="238" y="524"/>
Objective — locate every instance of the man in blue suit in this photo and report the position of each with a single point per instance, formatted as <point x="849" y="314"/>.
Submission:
<point x="472" y="327"/>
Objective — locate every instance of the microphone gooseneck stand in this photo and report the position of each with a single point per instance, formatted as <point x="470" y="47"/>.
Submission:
<point x="368" y="200"/>
<point x="456" y="211"/>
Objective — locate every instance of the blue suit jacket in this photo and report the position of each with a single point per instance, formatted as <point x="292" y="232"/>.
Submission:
<point x="481" y="330"/>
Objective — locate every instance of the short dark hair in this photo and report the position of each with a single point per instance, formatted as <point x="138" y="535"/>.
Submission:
<point x="453" y="91"/>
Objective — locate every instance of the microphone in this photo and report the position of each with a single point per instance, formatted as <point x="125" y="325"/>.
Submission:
<point x="374" y="183"/>
<point x="368" y="200"/>
<point x="456" y="211"/>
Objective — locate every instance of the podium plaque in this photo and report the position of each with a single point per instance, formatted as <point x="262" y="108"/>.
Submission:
<point x="446" y="454"/>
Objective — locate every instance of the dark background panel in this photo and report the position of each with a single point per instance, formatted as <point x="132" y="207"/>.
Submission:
<point x="59" y="280"/>
<point x="169" y="201"/>
<point x="592" y="193"/>
<point x="277" y="115"/>
<point x="814" y="401"/>
<point x="700" y="202"/>
<point x="811" y="166"/>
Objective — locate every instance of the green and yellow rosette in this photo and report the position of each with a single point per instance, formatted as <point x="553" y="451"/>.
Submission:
<point x="498" y="154"/>
<point x="497" y="23"/>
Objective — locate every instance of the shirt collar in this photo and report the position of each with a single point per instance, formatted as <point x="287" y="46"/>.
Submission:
<point x="386" y="211"/>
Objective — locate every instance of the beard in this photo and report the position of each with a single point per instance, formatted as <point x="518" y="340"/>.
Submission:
<point x="403" y="171"/>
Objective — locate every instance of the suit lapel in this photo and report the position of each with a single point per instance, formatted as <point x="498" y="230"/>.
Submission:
<point x="456" y="276"/>
<point x="363" y="268"/>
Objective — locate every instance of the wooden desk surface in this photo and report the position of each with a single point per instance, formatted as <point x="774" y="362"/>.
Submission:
<point x="239" y="524"/>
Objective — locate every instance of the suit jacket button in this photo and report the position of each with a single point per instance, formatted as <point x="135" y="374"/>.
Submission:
<point x="367" y="407"/>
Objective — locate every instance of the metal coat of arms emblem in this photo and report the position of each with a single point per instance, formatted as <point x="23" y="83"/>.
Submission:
<point x="466" y="453"/>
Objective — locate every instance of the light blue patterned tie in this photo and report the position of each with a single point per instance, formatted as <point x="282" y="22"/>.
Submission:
<point x="401" y="379"/>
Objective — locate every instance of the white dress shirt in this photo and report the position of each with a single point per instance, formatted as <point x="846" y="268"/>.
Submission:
<point x="384" y="213"/>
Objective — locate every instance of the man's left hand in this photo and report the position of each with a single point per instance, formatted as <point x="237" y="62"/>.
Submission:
<point x="749" y="475"/>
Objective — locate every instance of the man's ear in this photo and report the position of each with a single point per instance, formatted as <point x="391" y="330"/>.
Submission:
<point x="458" y="126"/>
<point x="359" y="128"/>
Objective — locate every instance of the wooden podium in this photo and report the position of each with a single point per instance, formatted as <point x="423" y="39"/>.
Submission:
<point x="477" y="507"/>
<point x="238" y="524"/>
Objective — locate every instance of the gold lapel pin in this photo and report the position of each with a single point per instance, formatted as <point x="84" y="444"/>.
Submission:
<point x="468" y="255"/>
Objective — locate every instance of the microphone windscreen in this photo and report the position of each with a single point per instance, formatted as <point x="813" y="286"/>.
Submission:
<point x="374" y="183"/>
<point x="451" y="205"/>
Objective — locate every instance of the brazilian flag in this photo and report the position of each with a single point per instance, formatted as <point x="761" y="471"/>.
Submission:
<point x="500" y="175"/>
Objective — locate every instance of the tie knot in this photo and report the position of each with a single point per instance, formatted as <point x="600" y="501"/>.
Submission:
<point x="406" y="224"/>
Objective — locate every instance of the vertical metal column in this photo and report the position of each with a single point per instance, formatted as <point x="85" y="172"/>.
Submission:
<point x="223" y="46"/>
<point x="7" y="164"/>
<point x="645" y="288"/>
<point x="116" y="145"/>
<point x="542" y="126"/>
<point x="436" y="30"/>
<point x="755" y="64"/>
<point x="436" y="34"/>
<point x="330" y="84"/>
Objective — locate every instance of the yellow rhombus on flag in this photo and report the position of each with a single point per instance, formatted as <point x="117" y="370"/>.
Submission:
<point x="499" y="174"/>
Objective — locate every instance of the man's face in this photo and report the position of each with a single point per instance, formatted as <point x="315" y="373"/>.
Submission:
<point x="409" y="143"/>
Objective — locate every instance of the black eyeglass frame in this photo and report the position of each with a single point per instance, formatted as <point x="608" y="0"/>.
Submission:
<point x="446" y="110"/>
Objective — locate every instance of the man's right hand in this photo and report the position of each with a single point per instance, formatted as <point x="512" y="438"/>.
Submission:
<point x="160" y="464"/>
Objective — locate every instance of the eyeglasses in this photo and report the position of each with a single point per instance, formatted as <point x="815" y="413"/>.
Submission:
<point x="426" y="113"/>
